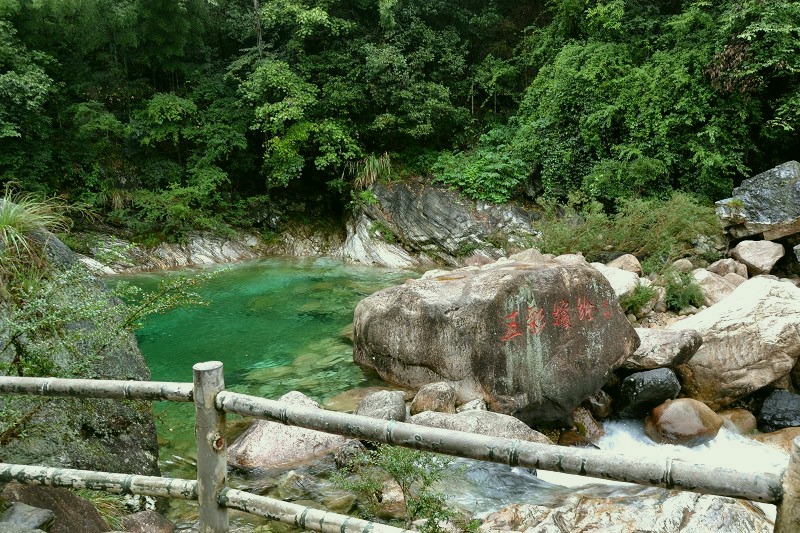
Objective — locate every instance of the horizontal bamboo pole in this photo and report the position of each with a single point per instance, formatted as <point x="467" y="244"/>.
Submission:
<point x="667" y="472"/>
<point x="98" y="388"/>
<point x="86" y="479"/>
<point x="303" y="517"/>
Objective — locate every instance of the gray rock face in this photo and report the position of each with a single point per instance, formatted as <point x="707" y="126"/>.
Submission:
<point x="781" y="409"/>
<point x="766" y="204"/>
<point x="642" y="391"/>
<point x="750" y="339"/>
<point x="26" y="517"/>
<point x="440" y="224"/>
<point x="385" y="404"/>
<point x="366" y="245"/>
<point x="90" y="434"/>
<point x="532" y="340"/>
<point x="481" y="422"/>
<point x="271" y="444"/>
<point x="661" y="348"/>
<point x="644" y="510"/>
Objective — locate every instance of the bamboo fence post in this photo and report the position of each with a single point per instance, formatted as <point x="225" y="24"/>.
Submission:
<point x="788" y="518"/>
<point x="212" y="457"/>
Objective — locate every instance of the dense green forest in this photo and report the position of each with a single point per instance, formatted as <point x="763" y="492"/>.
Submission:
<point x="166" y="116"/>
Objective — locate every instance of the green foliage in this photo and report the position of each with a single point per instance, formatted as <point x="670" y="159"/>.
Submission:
<point x="415" y="472"/>
<point x="384" y="231"/>
<point x="682" y="291"/>
<point x="112" y="507"/>
<point x="661" y="231"/>
<point x="638" y="299"/>
<point x="490" y="172"/>
<point x="22" y="216"/>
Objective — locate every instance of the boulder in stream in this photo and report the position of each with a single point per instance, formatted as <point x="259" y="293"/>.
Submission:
<point x="268" y="444"/>
<point x="750" y="339"/>
<point x="531" y="339"/>
<point x="683" y="421"/>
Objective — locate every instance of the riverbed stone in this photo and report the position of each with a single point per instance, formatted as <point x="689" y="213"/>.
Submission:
<point x="739" y="420"/>
<point x="642" y="391"/>
<point x="780" y="440"/>
<point x="781" y="409"/>
<point x="661" y="348"/>
<point x="147" y="522"/>
<point x="384" y="404"/>
<point x="627" y="262"/>
<point x="587" y="425"/>
<point x="758" y="256"/>
<point x="683" y="421"/>
<point x="481" y="422"/>
<point x="715" y="288"/>
<point x="622" y="281"/>
<point x="643" y="510"/>
<point x="440" y="396"/>
<point x="726" y="266"/>
<point x="68" y="512"/>
<point x="531" y="339"/>
<point x="599" y="404"/>
<point x="268" y="444"/>
<point x="750" y="339"/>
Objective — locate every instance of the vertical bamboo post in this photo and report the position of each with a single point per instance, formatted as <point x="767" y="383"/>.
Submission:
<point x="788" y="518"/>
<point x="212" y="467"/>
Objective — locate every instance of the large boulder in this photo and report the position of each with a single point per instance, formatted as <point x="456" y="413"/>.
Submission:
<point x="767" y="204"/>
<point x="750" y="339"/>
<point x="268" y="444"/>
<point x="531" y="339"/>
<point x="622" y="281"/>
<point x="643" y="510"/>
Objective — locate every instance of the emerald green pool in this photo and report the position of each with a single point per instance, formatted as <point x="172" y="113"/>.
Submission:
<point x="277" y="324"/>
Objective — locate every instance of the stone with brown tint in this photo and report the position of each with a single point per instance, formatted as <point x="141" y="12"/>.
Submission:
<point x="439" y="397"/>
<point x="683" y="421"/>
<point x="739" y="420"/>
<point x="531" y="339"/>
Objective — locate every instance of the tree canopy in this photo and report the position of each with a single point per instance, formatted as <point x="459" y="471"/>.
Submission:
<point x="174" y="115"/>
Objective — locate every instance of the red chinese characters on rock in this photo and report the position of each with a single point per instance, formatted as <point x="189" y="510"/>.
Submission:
<point x="560" y="317"/>
<point x="512" y="327"/>
<point x="535" y="319"/>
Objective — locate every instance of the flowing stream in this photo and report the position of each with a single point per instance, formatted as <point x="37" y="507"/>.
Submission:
<point x="282" y="324"/>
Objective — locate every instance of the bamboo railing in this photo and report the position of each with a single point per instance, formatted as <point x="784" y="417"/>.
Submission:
<point x="210" y="489"/>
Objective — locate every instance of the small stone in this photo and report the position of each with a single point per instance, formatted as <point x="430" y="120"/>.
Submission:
<point x="683" y="421"/>
<point x="627" y="262"/>
<point x="683" y="265"/>
<point x="440" y="397"/>
<point x="728" y="266"/>
<point x="599" y="404"/>
<point x="386" y="405"/>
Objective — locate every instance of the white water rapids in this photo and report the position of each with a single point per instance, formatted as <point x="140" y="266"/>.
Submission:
<point x="488" y="487"/>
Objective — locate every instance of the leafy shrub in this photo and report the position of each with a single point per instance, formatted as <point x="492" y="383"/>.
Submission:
<point x="682" y="291"/>
<point x="490" y="173"/>
<point x="414" y="471"/>
<point x="635" y="302"/>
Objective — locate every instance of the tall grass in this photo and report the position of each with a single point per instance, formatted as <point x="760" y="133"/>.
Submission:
<point x="657" y="231"/>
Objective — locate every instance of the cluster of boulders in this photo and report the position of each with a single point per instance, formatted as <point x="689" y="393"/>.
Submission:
<point x="531" y="340"/>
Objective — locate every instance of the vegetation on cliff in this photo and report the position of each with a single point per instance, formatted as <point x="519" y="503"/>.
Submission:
<point x="197" y="114"/>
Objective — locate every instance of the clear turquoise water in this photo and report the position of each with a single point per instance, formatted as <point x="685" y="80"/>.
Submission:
<point x="277" y="324"/>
